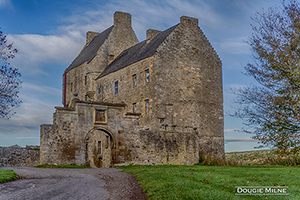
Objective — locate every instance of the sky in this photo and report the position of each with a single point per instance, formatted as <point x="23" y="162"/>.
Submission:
<point x="49" y="34"/>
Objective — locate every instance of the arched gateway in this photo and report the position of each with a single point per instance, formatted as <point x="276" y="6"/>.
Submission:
<point x="100" y="148"/>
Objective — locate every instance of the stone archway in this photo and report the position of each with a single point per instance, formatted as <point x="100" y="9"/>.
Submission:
<point x="99" y="148"/>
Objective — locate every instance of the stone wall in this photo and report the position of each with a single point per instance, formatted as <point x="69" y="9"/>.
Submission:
<point x="16" y="156"/>
<point x="76" y="138"/>
<point x="160" y="148"/>
<point x="81" y="79"/>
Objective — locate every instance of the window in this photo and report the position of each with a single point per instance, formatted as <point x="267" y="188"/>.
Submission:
<point x="134" y="80"/>
<point x="147" y="107"/>
<point x="100" y="116"/>
<point x="85" y="78"/>
<point x="99" y="90"/>
<point x="108" y="141"/>
<point x="116" y="87"/>
<point x="71" y="87"/>
<point x="147" y="76"/>
<point x="134" y="107"/>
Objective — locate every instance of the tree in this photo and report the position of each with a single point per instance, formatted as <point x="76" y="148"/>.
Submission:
<point x="272" y="107"/>
<point x="10" y="82"/>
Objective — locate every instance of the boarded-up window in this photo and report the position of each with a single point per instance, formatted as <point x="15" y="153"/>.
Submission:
<point x="100" y="116"/>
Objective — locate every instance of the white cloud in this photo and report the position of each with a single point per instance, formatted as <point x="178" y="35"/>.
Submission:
<point x="35" y="110"/>
<point x="5" y="3"/>
<point x="29" y="87"/>
<point x="235" y="46"/>
<point x="35" y="50"/>
<point x="239" y="139"/>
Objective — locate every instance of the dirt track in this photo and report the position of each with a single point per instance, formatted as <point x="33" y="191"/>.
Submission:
<point x="102" y="183"/>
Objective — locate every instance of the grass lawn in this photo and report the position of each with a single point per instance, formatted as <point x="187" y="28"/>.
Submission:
<point x="213" y="182"/>
<point x="7" y="175"/>
<point x="61" y="166"/>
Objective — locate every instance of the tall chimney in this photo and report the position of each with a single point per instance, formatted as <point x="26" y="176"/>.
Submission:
<point x="121" y="18"/>
<point x="190" y="21"/>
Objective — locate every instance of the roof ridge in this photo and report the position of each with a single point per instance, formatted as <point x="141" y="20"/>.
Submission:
<point x="137" y="52"/>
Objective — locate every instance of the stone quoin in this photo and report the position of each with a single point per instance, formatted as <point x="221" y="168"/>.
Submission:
<point x="159" y="101"/>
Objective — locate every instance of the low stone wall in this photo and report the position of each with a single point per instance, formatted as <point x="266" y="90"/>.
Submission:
<point x="161" y="148"/>
<point x="16" y="156"/>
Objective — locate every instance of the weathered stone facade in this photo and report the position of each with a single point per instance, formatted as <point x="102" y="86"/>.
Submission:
<point x="159" y="101"/>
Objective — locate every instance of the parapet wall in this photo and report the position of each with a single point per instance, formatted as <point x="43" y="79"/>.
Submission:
<point x="16" y="156"/>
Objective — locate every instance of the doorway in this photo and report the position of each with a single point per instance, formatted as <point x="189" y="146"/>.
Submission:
<point x="99" y="147"/>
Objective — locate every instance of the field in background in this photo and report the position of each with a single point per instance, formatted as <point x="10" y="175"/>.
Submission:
<point x="262" y="157"/>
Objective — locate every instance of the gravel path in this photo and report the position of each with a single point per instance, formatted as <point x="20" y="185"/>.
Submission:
<point x="45" y="183"/>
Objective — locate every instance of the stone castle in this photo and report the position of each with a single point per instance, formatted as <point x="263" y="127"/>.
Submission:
<point x="159" y="101"/>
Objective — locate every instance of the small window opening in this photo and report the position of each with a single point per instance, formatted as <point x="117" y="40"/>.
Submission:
<point x="116" y="87"/>
<point x="85" y="78"/>
<point x="99" y="147"/>
<point x="134" y="80"/>
<point x="147" y="107"/>
<point x="147" y="76"/>
<point x="99" y="90"/>
<point x="134" y="107"/>
<point x="71" y="87"/>
<point x="111" y="57"/>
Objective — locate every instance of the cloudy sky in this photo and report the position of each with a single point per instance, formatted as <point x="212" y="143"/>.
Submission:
<point x="50" y="33"/>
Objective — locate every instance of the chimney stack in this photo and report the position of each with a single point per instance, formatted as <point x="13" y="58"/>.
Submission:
<point x="121" y="18"/>
<point x="190" y="21"/>
<point x="150" y="34"/>
<point x="90" y="36"/>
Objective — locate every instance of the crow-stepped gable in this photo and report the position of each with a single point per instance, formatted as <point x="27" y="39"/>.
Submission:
<point x="158" y="101"/>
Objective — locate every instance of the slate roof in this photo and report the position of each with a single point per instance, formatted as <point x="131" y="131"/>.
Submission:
<point x="89" y="52"/>
<point x="137" y="52"/>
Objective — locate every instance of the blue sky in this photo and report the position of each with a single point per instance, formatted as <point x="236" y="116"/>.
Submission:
<point x="49" y="34"/>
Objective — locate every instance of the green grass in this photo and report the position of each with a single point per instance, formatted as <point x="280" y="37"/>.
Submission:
<point x="213" y="182"/>
<point x="61" y="166"/>
<point x="7" y="175"/>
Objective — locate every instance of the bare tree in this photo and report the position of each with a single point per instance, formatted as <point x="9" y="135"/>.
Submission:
<point x="272" y="107"/>
<point x="10" y="82"/>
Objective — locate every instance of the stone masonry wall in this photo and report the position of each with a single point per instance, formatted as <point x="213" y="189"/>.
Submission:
<point x="160" y="148"/>
<point x="74" y="136"/>
<point x="16" y="156"/>
<point x="81" y="79"/>
<point x="190" y="88"/>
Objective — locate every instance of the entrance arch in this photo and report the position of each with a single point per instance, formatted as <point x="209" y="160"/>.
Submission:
<point x="100" y="148"/>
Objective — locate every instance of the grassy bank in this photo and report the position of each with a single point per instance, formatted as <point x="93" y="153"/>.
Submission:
<point x="7" y="175"/>
<point x="213" y="182"/>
